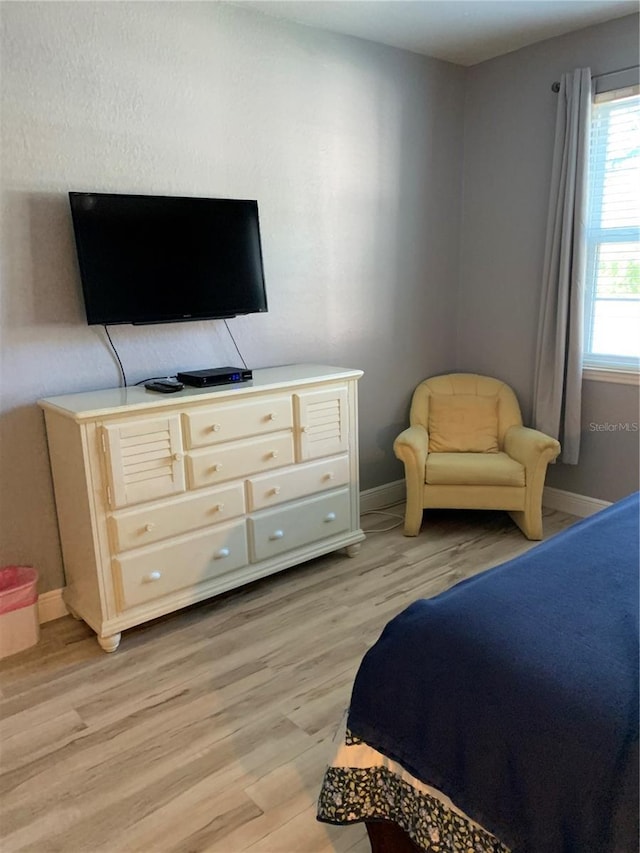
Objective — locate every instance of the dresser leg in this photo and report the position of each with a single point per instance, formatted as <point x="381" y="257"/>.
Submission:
<point x="109" y="644"/>
<point x="352" y="550"/>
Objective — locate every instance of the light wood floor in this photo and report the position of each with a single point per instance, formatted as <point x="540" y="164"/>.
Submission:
<point x="209" y="730"/>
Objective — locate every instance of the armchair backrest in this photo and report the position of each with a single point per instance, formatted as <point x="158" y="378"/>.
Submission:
<point x="467" y="383"/>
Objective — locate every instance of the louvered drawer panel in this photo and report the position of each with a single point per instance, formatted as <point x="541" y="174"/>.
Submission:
<point x="235" y="460"/>
<point x="273" y="532"/>
<point x="228" y="421"/>
<point x="144" y="460"/>
<point x="284" y="485"/>
<point x="184" y="562"/>
<point x="134" y="528"/>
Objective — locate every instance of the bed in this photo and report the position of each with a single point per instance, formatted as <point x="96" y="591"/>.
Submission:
<point x="502" y="715"/>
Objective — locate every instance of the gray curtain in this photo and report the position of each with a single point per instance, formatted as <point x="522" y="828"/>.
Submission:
<point x="558" y="378"/>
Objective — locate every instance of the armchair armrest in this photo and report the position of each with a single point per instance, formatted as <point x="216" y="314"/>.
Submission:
<point x="527" y="446"/>
<point x="534" y="450"/>
<point x="411" y="446"/>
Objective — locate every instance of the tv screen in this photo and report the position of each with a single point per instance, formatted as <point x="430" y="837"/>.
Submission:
<point x="159" y="259"/>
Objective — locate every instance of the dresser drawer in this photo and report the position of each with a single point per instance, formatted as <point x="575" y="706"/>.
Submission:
<point x="142" y="526"/>
<point x="274" y="531"/>
<point x="228" y="421"/>
<point x="284" y="485"/>
<point x="158" y="570"/>
<point x="236" y="460"/>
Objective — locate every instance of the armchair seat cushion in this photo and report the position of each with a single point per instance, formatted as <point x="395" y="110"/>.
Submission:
<point x="473" y="469"/>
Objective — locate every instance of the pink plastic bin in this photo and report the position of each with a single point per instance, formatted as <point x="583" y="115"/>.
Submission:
<point x="19" y="627"/>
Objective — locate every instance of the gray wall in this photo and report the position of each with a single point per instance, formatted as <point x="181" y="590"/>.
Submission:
<point x="509" y="129"/>
<point x="353" y="151"/>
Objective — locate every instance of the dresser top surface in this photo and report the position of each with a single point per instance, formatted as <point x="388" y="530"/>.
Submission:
<point x="86" y="405"/>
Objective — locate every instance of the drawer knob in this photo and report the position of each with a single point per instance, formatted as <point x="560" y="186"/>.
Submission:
<point x="277" y="534"/>
<point x="177" y="456"/>
<point x="216" y="467"/>
<point x="330" y="516"/>
<point x="215" y="427"/>
<point x="329" y="475"/>
<point x="223" y="552"/>
<point x="153" y="576"/>
<point x="304" y="429"/>
<point x="275" y="490"/>
<point x="274" y="454"/>
<point x="149" y="527"/>
<point x="219" y="507"/>
<point x="272" y="416"/>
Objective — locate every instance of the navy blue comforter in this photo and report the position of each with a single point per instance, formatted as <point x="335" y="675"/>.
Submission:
<point x="516" y="691"/>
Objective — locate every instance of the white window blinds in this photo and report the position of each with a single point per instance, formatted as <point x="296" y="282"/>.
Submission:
<point x="612" y="309"/>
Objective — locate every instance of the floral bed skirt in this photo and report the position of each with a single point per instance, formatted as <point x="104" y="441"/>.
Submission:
<point x="363" y="785"/>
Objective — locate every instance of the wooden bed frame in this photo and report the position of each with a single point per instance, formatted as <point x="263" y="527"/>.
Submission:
<point x="387" y="837"/>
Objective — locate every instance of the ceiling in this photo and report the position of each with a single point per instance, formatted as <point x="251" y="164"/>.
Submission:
<point x="462" y="31"/>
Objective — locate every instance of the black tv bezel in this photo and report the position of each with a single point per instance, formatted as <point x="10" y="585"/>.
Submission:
<point x="159" y="320"/>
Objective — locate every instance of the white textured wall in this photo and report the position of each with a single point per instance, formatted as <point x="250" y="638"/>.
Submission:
<point x="353" y="151"/>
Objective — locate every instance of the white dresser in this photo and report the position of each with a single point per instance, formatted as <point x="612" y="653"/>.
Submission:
<point x="167" y="499"/>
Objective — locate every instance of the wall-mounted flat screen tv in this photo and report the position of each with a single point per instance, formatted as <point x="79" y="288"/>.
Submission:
<point x="160" y="259"/>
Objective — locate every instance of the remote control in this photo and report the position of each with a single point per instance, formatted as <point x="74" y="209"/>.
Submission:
<point x="164" y="386"/>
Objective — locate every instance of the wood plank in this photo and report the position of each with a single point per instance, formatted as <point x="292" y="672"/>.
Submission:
<point x="210" y="729"/>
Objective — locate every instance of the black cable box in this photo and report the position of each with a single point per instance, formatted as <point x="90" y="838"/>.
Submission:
<point x="215" y="376"/>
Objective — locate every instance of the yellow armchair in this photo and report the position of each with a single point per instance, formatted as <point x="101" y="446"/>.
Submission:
<point x="466" y="448"/>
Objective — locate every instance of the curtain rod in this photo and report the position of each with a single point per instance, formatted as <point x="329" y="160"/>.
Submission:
<point x="555" y="87"/>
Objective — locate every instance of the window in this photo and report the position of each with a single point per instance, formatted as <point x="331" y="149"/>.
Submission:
<point x="612" y="303"/>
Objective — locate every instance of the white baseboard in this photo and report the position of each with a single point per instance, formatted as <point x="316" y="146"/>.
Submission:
<point x="572" y="503"/>
<point x="51" y="606"/>
<point x="381" y="496"/>
<point x="569" y="502"/>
